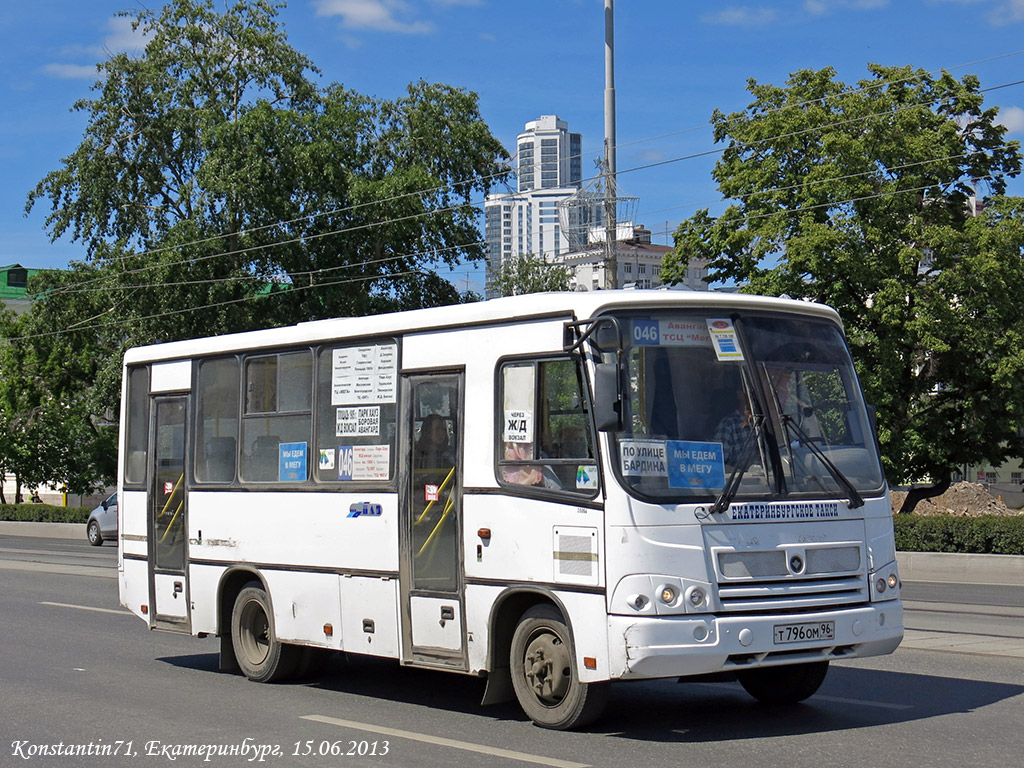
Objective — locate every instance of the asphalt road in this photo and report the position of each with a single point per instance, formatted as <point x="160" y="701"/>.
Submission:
<point x="77" y="670"/>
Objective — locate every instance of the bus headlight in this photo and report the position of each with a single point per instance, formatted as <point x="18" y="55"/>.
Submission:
<point x="668" y="594"/>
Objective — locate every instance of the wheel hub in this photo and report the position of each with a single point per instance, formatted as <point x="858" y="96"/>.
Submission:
<point x="546" y="665"/>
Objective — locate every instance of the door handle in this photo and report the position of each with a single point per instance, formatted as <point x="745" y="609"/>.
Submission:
<point x="178" y="588"/>
<point x="447" y="614"/>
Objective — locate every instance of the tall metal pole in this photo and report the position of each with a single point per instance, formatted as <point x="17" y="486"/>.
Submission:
<point x="611" y="268"/>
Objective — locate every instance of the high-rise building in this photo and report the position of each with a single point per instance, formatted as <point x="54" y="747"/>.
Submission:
<point x="551" y="216"/>
<point x="548" y="165"/>
<point x="548" y="155"/>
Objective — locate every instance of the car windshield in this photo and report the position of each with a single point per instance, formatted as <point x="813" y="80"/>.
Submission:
<point x="771" y="398"/>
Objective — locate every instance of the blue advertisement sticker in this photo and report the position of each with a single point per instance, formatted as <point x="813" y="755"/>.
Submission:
<point x="291" y="462"/>
<point x="695" y="465"/>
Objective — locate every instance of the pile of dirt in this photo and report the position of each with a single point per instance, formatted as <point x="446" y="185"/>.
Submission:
<point x="963" y="499"/>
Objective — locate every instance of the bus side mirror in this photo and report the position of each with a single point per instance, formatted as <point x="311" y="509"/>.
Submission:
<point x="607" y="397"/>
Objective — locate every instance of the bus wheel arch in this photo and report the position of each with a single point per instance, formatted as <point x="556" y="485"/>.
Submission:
<point x="260" y="654"/>
<point x="531" y="647"/>
<point x="231" y="584"/>
<point x="505" y="615"/>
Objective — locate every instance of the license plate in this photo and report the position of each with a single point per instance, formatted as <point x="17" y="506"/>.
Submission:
<point x="801" y="633"/>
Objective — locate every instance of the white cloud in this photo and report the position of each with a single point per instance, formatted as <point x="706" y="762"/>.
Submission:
<point x="822" y="7"/>
<point x="1007" y="12"/>
<point x="741" y="16"/>
<point x="1013" y="119"/>
<point x="380" y="15"/>
<point x="121" y="37"/>
<point x="72" y="71"/>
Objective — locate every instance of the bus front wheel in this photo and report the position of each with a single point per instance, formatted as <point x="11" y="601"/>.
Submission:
<point x="544" y="673"/>
<point x="784" y="685"/>
<point x="261" y="656"/>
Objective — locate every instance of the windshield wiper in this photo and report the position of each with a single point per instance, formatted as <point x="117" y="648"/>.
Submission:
<point x="855" y="498"/>
<point x="732" y="486"/>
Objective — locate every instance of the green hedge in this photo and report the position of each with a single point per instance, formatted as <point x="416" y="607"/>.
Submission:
<point x="44" y="513"/>
<point x="986" y="535"/>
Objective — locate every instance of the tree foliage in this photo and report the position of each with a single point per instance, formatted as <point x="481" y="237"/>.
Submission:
<point x="530" y="274"/>
<point x="52" y="428"/>
<point x="219" y="187"/>
<point x="886" y="201"/>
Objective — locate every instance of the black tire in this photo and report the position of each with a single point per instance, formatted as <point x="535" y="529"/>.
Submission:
<point x="784" y="685"/>
<point x="93" y="532"/>
<point x="261" y="656"/>
<point x="544" y="675"/>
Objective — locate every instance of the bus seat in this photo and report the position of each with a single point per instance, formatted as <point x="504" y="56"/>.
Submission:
<point x="220" y="460"/>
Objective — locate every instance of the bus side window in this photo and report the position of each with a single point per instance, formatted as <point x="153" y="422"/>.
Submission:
<point x="217" y="420"/>
<point x="546" y="441"/>
<point x="137" y="430"/>
<point x="356" y="436"/>
<point x="277" y="424"/>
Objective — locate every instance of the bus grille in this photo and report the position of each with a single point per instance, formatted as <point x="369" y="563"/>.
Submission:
<point x="765" y="581"/>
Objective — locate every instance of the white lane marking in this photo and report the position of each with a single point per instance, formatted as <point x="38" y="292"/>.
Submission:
<point x="63" y="553"/>
<point x="103" y="572"/>
<point x="439" y="741"/>
<point x="87" y="608"/>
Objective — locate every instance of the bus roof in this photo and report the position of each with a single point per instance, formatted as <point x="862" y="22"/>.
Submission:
<point x="578" y="305"/>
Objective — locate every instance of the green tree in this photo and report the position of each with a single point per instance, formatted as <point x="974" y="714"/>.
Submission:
<point x="49" y="428"/>
<point x="530" y="274"/>
<point x="872" y="199"/>
<point x="212" y="167"/>
<point x="218" y="187"/>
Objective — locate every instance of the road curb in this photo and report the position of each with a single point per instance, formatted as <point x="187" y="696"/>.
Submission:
<point x="962" y="569"/>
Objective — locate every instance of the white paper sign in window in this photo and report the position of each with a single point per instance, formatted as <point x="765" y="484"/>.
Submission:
<point x="362" y="421"/>
<point x="518" y="426"/>
<point x="362" y="375"/>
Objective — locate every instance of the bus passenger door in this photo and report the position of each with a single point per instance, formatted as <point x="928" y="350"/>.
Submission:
<point x="433" y="626"/>
<point x="167" y="514"/>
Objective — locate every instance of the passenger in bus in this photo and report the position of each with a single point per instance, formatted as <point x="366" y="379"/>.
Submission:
<point x="525" y="474"/>
<point x="432" y="448"/>
<point x="733" y="430"/>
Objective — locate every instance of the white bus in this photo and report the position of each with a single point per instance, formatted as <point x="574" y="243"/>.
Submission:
<point x="552" y="491"/>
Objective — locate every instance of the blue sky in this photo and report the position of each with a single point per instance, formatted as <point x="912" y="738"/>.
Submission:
<point x="676" y="61"/>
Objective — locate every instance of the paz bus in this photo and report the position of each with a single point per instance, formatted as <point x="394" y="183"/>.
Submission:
<point x="553" y="491"/>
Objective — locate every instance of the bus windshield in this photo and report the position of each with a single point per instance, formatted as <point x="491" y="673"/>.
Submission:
<point x="770" y="400"/>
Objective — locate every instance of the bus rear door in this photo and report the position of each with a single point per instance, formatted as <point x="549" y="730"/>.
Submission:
<point x="167" y="514"/>
<point x="432" y="574"/>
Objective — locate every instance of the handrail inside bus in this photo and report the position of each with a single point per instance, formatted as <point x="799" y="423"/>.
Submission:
<point x="449" y="505"/>
<point x="175" y="517"/>
<point x="440" y="489"/>
<point x="170" y="498"/>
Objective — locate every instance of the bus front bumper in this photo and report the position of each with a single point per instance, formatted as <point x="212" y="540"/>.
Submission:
<point x="675" y="646"/>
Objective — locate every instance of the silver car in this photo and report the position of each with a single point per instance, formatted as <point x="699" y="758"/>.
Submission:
<point x="102" y="523"/>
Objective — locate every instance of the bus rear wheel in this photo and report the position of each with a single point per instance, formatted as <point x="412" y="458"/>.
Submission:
<point x="784" y="685"/>
<point x="261" y="656"/>
<point x="544" y="673"/>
